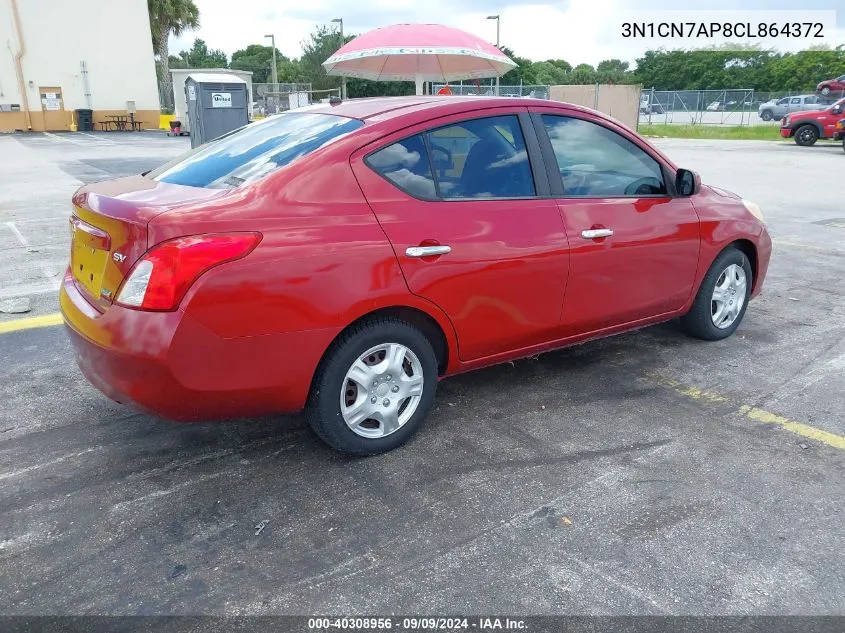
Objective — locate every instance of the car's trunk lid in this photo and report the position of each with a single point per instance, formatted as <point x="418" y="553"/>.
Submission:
<point x="109" y="229"/>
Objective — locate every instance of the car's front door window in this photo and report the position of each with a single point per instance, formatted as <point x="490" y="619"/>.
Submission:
<point x="597" y="162"/>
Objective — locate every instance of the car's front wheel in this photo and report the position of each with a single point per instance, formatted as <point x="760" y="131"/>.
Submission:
<point x="767" y="115"/>
<point x="722" y="298"/>
<point x="826" y="90"/>
<point x="374" y="388"/>
<point x="806" y="135"/>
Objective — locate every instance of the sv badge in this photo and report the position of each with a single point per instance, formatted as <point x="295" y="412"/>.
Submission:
<point x="119" y="258"/>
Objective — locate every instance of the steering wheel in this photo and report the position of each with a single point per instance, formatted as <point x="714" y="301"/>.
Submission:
<point x="644" y="187"/>
<point x="441" y="167"/>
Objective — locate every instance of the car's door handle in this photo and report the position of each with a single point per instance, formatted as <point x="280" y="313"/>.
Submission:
<point x="592" y="234"/>
<point x="427" y="251"/>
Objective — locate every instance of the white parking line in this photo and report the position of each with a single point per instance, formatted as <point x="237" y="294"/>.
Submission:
<point x="46" y="271"/>
<point x="14" y="229"/>
<point x="62" y="139"/>
<point x="97" y="138"/>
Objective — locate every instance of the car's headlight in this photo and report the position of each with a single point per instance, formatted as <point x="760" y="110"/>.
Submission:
<point x="754" y="209"/>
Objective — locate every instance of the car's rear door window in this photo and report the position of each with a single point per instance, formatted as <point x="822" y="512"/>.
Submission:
<point x="595" y="161"/>
<point x="255" y="150"/>
<point x="482" y="158"/>
<point x="477" y="158"/>
<point x="407" y="165"/>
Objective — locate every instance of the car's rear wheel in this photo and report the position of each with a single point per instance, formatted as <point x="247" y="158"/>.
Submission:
<point x="722" y="298"/>
<point x="806" y="135"/>
<point x="374" y="388"/>
<point x="767" y="115"/>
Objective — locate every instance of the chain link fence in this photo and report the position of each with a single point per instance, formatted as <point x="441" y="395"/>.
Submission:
<point x="741" y="106"/>
<point x="272" y="98"/>
<point x="484" y="87"/>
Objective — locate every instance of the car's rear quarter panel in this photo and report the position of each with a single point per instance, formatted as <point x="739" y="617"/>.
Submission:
<point x="323" y="262"/>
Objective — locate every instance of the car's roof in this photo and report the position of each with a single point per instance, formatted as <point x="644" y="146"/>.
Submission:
<point x="390" y="107"/>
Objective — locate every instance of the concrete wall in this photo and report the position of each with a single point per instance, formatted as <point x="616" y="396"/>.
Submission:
<point x="112" y="38"/>
<point x="180" y="105"/>
<point x="620" y="102"/>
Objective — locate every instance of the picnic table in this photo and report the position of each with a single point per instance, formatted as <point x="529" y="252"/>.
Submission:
<point x="120" y="122"/>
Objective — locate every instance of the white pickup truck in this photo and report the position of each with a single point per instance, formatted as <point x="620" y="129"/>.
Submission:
<point x="776" y="109"/>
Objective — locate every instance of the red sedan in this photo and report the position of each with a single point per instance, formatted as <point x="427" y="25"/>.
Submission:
<point x="832" y="85"/>
<point x="343" y="258"/>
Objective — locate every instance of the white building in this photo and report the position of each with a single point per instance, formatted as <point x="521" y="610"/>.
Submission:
<point x="64" y="55"/>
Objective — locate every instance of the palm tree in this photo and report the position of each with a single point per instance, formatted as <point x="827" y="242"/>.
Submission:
<point x="166" y="17"/>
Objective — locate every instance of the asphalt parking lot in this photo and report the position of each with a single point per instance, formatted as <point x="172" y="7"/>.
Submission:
<point x="644" y="474"/>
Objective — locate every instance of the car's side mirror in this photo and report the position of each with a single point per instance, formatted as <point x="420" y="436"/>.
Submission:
<point x="837" y="109"/>
<point x="687" y="182"/>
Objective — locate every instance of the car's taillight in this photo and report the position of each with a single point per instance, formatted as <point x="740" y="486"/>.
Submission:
<point x="162" y="277"/>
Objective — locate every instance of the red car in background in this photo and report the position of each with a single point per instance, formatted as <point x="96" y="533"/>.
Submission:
<point x="809" y="126"/>
<point x="343" y="258"/>
<point x="832" y="85"/>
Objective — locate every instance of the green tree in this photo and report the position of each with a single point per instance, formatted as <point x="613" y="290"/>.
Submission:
<point x="549" y="73"/>
<point x="523" y="74"/>
<point x="258" y="59"/>
<point x="166" y="17"/>
<point x="319" y="46"/>
<point x="612" y="66"/>
<point x="200" y="56"/>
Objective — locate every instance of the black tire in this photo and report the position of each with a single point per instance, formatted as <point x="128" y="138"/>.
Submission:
<point x="698" y="322"/>
<point x="323" y="409"/>
<point x="806" y="135"/>
<point x="767" y="115"/>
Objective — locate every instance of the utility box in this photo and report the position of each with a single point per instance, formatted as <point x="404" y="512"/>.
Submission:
<point x="217" y="103"/>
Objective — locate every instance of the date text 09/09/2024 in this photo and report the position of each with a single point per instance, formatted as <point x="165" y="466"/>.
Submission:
<point x="722" y="29"/>
<point x="417" y="624"/>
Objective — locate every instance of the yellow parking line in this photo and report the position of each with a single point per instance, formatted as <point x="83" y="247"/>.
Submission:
<point x="752" y="413"/>
<point x="685" y="390"/>
<point x="799" y="428"/>
<point x="45" y="320"/>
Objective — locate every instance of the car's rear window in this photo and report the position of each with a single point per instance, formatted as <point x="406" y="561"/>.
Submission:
<point x="255" y="150"/>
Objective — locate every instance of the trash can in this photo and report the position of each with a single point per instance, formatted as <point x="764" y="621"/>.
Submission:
<point x="85" y="120"/>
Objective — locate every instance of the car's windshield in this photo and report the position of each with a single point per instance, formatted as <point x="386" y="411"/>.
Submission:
<point x="255" y="150"/>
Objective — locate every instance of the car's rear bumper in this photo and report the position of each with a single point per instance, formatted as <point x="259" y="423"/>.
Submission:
<point x="169" y="364"/>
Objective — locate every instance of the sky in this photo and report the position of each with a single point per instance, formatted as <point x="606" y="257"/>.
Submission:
<point x="579" y="31"/>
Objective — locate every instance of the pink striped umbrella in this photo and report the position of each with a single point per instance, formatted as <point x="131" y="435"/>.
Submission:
<point x="418" y="52"/>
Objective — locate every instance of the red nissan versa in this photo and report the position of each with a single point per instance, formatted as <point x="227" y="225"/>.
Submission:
<point x="343" y="258"/>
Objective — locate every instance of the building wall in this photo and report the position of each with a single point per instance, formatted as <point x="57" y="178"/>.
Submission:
<point x="112" y="38"/>
<point x="622" y="102"/>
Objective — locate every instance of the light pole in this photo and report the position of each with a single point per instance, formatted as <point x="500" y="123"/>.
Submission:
<point x="275" y="74"/>
<point x="496" y="17"/>
<point x="342" y="42"/>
